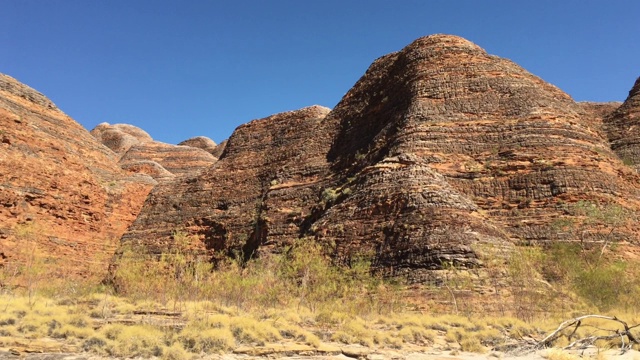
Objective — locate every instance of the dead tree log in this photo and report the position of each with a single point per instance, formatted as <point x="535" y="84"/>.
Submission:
<point x="581" y="343"/>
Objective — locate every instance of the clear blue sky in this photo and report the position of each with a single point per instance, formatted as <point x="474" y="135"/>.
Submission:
<point x="179" y="69"/>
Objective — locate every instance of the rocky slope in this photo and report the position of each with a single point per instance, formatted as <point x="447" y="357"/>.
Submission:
<point x="204" y="143"/>
<point x="139" y="153"/>
<point x="440" y="153"/>
<point x="518" y="147"/>
<point x="623" y="128"/>
<point x="257" y="194"/>
<point x="63" y="200"/>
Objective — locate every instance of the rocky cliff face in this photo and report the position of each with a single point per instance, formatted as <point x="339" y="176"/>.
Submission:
<point x="257" y="194"/>
<point x="622" y="127"/>
<point x="514" y="155"/>
<point x="440" y="153"/>
<point x="62" y="196"/>
<point x="139" y="153"/>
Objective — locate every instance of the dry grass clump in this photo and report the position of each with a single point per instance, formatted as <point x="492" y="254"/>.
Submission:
<point x="332" y="318"/>
<point x="457" y="321"/>
<point x="417" y="334"/>
<point x="112" y="331"/>
<point x="72" y="331"/>
<point x="490" y="336"/>
<point x="468" y="341"/>
<point x="105" y="306"/>
<point x="218" y="321"/>
<point x="516" y="328"/>
<point x="134" y="340"/>
<point x="33" y="326"/>
<point x="434" y="323"/>
<point x="43" y="318"/>
<point x="344" y="337"/>
<point x="8" y="330"/>
<point x="175" y="352"/>
<point x="95" y="344"/>
<point x="297" y="333"/>
<point x="385" y="338"/>
<point x="359" y="331"/>
<point x="251" y="331"/>
<point x="197" y="339"/>
<point x="472" y="344"/>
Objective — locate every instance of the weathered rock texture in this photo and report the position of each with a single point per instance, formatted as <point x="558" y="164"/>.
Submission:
<point x="257" y="194"/>
<point x="120" y="137"/>
<point x="62" y="196"/>
<point x="440" y="153"/>
<point x="201" y="142"/>
<point x="178" y="160"/>
<point x="623" y="128"/>
<point x="139" y="153"/>
<point x="600" y="110"/>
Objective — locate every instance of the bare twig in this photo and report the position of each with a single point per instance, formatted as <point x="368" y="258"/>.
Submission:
<point x="589" y="340"/>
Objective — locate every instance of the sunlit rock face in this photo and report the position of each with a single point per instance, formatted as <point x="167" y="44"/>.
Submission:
<point x="139" y="153"/>
<point x="63" y="196"/>
<point x="623" y="128"/>
<point x="440" y="154"/>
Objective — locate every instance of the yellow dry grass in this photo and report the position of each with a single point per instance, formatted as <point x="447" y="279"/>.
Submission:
<point x="346" y="306"/>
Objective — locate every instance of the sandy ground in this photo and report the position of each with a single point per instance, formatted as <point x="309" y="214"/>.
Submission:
<point x="362" y="353"/>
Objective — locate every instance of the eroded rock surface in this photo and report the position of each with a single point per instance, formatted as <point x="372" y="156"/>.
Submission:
<point x="120" y="137"/>
<point x="440" y="154"/>
<point x="139" y="153"/>
<point x="202" y="142"/>
<point x="257" y="194"/>
<point x="623" y="128"/>
<point x="63" y="197"/>
<point x="521" y="149"/>
<point x="176" y="159"/>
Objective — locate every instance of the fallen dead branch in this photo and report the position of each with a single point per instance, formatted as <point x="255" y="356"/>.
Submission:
<point x="581" y="343"/>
